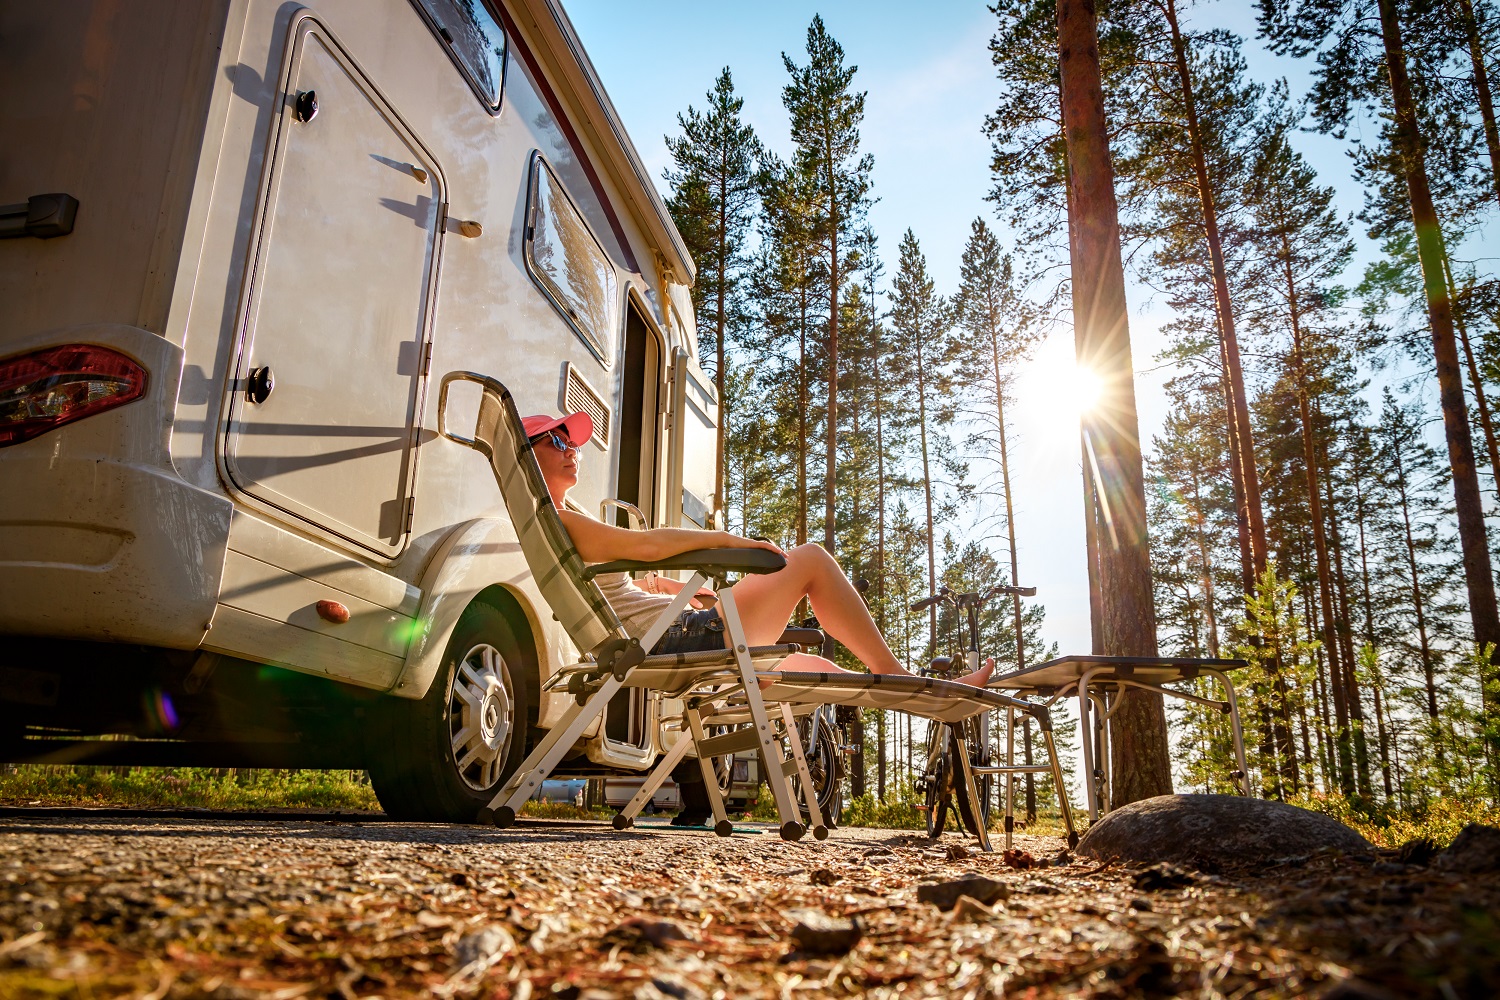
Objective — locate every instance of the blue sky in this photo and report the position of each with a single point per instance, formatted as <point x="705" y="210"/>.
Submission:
<point x="930" y="83"/>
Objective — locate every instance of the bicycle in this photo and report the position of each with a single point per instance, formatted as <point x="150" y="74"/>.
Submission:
<point x="942" y="784"/>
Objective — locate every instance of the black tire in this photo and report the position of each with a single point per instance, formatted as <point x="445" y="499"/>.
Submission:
<point x="974" y="819"/>
<point x="826" y="768"/>
<point x="937" y="794"/>
<point x="415" y="767"/>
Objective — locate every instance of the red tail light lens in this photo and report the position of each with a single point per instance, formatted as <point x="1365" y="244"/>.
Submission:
<point x="57" y="386"/>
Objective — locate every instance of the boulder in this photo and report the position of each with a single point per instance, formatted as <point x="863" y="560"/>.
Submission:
<point x="1215" y="830"/>
<point x="1476" y="849"/>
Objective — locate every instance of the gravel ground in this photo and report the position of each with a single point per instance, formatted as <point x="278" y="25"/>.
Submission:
<point x="167" y="907"/>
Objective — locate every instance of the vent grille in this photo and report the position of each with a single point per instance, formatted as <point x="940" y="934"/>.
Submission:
<point x="579" y="395"/>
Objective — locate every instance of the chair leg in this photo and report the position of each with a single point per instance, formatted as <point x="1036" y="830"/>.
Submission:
<point x="722" y="826"/>
<point x="1062" y="789"/>
<point x="502" y="809"/>
<point x="804" y="774"/>
<point x="625" y="818"/>
<point x="1010" y="779"/>
<point x="966" y="772"/>
<point x="770" y="750"/>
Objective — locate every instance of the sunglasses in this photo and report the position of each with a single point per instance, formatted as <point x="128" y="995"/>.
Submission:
<point x="557" y="441"/>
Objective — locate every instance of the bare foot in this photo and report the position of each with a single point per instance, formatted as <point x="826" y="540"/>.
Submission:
<point x="980" y="677"/>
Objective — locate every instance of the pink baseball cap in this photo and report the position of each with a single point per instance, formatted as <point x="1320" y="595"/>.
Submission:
<point x="578" y="426"/>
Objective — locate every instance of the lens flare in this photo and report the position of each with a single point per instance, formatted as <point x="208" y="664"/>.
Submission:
<point x="161" y="714"/>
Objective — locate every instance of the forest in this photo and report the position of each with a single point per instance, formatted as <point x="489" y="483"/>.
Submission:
<point x="1320" y="498"/>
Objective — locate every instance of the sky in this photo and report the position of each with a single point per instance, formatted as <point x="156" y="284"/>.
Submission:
<point x="930" y="84"/>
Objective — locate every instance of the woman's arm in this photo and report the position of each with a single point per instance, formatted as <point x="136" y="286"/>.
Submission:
<point x="599" y="542"/>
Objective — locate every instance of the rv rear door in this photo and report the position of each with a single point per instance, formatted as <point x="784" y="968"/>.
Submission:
<point x="334" y="337"/>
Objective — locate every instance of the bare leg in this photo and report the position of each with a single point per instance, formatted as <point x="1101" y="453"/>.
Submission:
<point x="765" y="603"/>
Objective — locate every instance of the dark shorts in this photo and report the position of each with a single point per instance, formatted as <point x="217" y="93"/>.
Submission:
<point x="693" y="631"/>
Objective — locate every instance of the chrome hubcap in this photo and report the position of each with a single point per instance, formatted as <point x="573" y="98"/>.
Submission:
<point x="481" y="716"/>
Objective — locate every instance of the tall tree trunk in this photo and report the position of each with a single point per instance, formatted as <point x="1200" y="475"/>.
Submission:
<point x="1015" y="571"/>
<point x="927" y="494"/>
<point x="1429" y="667"/>
<point x="1471" y="530"/>
<point x="1482" y="89"/>
<point x="1352" y="692"/>
<point x="802" y="606"/>
<point x="1243" y="451"/>
<point x="1480" y="402"/>
<point x="721" y="470"/>
<point x="1205" y="567"/>
<point x="1369" y="629"/>
<point x="1142" y="767"/>
<point x="832" y="454"/>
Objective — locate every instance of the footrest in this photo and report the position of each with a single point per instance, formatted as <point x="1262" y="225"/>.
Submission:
<point x="789" y="767"/>
<point x="738" y="741"/>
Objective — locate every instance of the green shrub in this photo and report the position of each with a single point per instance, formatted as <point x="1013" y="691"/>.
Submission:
<point x="1439" y="820"/>
<point x="186" y="788"/>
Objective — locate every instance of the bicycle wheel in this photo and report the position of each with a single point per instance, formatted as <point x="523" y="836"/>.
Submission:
<point x="975" y="815"/>
<point x="937" y="782"/>
<point x="825" y="767"/>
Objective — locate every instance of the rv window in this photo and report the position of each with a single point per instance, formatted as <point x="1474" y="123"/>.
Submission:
<point x="568" y="262"/>
<point x="476" y="42"/>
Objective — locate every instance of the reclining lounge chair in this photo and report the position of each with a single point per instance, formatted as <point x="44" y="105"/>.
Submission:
<point x="720" y="688"/>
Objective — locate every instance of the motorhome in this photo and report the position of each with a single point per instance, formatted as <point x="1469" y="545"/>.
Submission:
<point x="242" y="240"/>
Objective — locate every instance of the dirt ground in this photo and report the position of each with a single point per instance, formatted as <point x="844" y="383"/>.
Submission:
<point x="165" y="907"/>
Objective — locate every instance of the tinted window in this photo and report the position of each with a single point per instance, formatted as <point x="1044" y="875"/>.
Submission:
<point x="476" y="41"/>
<point x="568" y="262"/>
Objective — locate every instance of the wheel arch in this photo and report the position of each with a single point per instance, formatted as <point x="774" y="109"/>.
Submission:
<point x="480" y="560"/>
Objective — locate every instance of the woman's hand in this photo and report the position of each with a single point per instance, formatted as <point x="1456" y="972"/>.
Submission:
<point x="733" y="541"/>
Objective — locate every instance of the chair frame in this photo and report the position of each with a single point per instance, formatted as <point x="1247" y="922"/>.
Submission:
<point x="719" y="687"/>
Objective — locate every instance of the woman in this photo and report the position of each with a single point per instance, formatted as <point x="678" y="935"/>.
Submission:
<point x="765" y="601"/>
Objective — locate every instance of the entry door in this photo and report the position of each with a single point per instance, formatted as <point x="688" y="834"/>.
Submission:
<point x="345" y="265"/>
<point x="695" y="421"/>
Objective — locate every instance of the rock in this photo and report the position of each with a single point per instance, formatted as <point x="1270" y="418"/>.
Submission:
<point x="1162" y="876"/>
<point x="476" y="952"/>
<point x="1018" y="859"/>
<point x="945" y="895"/>
<point x="822" y="876"/>
<point x="1205" y="830"/>
<point x="1475" y="849"/>
<point x="1418" y="852"/>
<point x="817" y="933"/>
<point x="637" y="935"/>
<point x="957" y="852"/>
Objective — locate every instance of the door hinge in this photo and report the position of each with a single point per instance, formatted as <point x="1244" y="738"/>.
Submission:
<point x="426" y="358"/>
<point x="442" y="220"/>
<point x="411" y="506"/>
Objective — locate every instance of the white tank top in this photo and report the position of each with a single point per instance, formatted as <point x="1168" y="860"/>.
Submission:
<point x="636" y="608"/>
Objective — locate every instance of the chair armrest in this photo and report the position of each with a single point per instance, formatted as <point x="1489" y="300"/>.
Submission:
<point x="712" y="562"/>
<point x="807" y="638"/>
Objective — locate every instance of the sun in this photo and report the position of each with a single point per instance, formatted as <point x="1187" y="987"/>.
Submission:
<point x="1086" y="389"/>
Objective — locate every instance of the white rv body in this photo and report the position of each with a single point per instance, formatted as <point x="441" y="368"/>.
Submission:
<point x="357" y="255"/>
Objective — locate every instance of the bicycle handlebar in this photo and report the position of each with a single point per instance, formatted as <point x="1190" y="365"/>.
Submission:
<point x="944" y="594"/>
<point x="928" y="602"/>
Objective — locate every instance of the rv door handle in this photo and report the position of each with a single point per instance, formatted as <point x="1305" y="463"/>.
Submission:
<point x="260" y="384"/>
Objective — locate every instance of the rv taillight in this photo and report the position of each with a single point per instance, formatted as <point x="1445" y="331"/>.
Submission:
<point x="47" y="389"/>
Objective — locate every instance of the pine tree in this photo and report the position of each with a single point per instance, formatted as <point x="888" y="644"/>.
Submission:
<point x="825" y="117"/>
<point x="714" y="193"/>
<point x="922" y="347"/>
<point x="1351" y="69"/>
<point x="1101" y="330"/>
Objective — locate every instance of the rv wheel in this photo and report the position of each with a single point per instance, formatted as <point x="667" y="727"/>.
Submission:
<point x="442" y="759"/>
